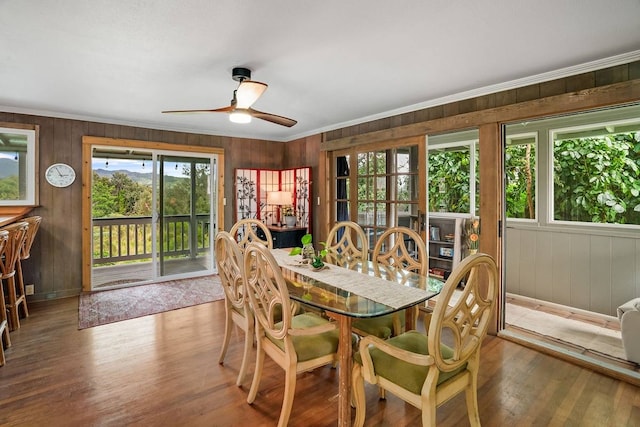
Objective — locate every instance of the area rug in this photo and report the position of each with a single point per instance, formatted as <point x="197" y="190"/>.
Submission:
<point x="585" y="335"/>
<point x="102" y="307"/>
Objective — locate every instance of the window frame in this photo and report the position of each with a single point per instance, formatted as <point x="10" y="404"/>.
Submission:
<point x="472" y="143"/>
<point x="31" y="162"/>
<point x="552" y="131"/>
<point x="536" y="136"/>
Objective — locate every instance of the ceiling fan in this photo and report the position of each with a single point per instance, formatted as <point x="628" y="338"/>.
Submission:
<point x="244" y="96"/>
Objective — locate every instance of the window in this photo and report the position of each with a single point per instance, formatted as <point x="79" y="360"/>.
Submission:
<point x="18" y="145"/>
<point x="596" y="172"/>
<point x="581" y="169"/>
<point x="520" y="169"/>
<point x="387" y="189"/>
<point x="379" y="188"/>
<point x="451" y="173"/>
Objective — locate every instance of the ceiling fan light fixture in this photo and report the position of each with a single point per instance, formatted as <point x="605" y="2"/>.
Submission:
<point x="240" y="117"/>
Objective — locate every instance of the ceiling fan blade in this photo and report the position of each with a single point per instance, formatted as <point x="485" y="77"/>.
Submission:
<point x="273" y="118"/>
<point x="215" y="110"/>
<point x="248" y="92"/>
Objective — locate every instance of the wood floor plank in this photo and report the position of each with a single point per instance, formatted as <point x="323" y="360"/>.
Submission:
<point x="162" y="370"/>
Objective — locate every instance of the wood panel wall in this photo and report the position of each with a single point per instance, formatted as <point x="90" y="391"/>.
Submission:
<point x="55" y="266"/>
<point x="402" y="123"/>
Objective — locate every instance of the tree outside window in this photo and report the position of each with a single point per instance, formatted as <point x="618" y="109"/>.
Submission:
<point x="520" y="170"/>
<point x="596" y="179"/>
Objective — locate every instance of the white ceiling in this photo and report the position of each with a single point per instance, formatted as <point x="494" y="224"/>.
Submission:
<point x="328" y="63"/>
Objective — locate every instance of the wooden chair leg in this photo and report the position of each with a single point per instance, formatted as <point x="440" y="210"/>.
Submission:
<point x="228" y="323"/>
<point x="358" y="395"/>
<point x="3" y="327"/>
<point x="5" y="341"/>
<point x="257" y="374"/>
<point x="289" y="394"/>
<point x="471" y="394"/>
<point x="22" y="297"/>
<point x="14" y="319"/>
<point x="248" y="345"/>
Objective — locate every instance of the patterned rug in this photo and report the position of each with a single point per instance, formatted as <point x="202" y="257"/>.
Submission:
<point x="102" y="307"/>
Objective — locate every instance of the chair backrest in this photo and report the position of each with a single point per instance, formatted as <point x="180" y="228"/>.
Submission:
<point x="229" y="262"/>
<point x="346" y="242"/>
<point x="467" y="319"/>
<point x="34" y="225"/>
<point x="17" y="235"/>
<point x="4" y="238"/>
<point x="245" y="231"/>
<point x="400" y="249"/>
<point x="267" y="291"/>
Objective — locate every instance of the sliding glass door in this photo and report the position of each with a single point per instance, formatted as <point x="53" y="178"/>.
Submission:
<point x="152" y="215"/>
<point x="184" y="189"/>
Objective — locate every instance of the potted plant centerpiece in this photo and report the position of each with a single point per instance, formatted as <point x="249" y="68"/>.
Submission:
<point x="289" y="215"/>
<point x="309" y="254"/>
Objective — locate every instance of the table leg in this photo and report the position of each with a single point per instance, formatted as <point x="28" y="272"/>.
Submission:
<point x="411" y="314"/>
<point x="344" y="373"/>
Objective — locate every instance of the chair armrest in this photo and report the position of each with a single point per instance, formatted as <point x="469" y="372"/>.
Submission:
<point x="368" y="370"/>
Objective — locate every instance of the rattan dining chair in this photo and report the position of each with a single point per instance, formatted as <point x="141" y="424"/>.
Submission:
<point x="296" y="343"/>
<point x="398" y="250"/>
<point x="230" y="263"/>
<point x="4" y="326"/>
<point x="346" y="244"/>
<point x="17" y="235"/>
<point x="246" y="231"/>
<point x="25" y="253"/>
<point x="421" y="369"/>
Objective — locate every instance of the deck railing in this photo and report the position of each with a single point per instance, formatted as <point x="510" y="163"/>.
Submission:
<point x="129" y="238"/>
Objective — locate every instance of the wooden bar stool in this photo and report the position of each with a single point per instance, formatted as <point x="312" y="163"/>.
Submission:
<point x="17" y="235"/>
<point x="25" y="253"/>
<point x="4" y="330"/>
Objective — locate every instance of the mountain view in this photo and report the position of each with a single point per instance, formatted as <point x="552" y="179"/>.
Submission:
<point x="142" y="178"/>
<point x="8" y="167"/>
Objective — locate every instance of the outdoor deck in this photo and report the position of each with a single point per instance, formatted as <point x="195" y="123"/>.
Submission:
<point x="122" y="274"/>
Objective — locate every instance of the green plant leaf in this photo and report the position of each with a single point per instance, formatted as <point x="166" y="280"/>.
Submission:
<point x="295" y="251"/>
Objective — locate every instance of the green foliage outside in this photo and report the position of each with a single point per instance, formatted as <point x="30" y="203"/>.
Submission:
<point x="520" y="166"/>
<point x="448" y="174"/>
<point x="120" y="196"/>
<point x="597" y="179"/>
<point x="9" y="188"/>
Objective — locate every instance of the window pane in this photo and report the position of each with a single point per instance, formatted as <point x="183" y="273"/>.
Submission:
<point x="365" y="214"/>
<point x="520" y="169"/>
<point x="449" y="173"/>
<point x="387" y="189"/>
<point x="17" y="166"/>
<point x="597" y="174"/>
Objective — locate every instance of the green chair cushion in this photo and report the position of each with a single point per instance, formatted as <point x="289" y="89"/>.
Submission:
<point x="381" y="326"/>
<point x="407" y="375"/>
<point x="313" y="346"/>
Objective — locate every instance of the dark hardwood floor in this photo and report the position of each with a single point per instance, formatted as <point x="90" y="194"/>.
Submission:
<point x="162" y="370"/>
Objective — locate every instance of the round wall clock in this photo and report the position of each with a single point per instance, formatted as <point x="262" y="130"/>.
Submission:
<point x="60" y="175"/>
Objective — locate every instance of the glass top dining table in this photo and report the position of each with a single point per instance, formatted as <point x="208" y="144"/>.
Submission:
<point x="354" y="290"/>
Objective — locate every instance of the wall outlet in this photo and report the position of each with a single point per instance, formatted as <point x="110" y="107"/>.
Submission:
<point x="29" y="289"/>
